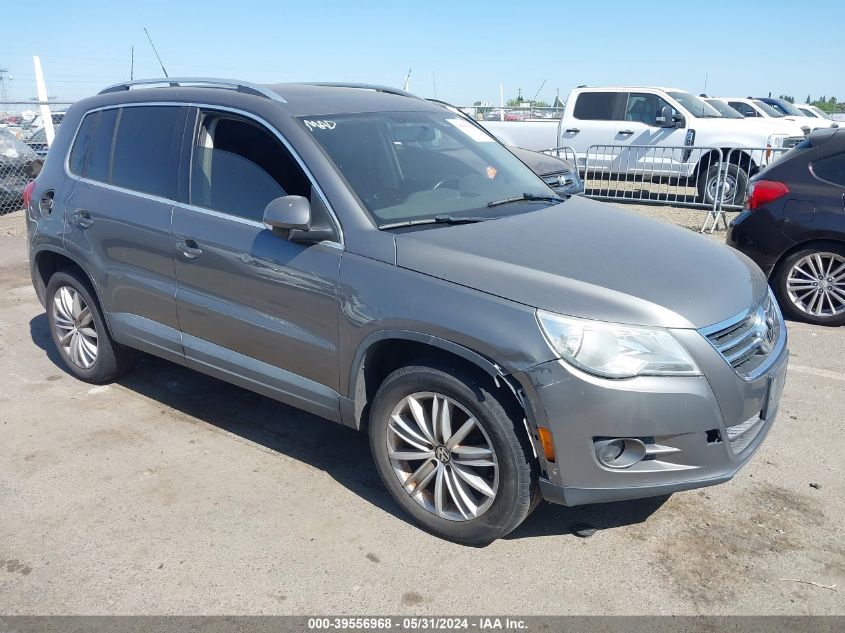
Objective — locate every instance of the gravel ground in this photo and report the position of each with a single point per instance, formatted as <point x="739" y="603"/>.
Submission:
<point x="169" y="492"/>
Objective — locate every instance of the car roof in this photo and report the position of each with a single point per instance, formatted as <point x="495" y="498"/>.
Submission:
<point x="297" y="99"/>
<point x="661" y="88"/>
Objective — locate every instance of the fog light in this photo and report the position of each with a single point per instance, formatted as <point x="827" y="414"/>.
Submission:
<point x="619" y="452"/>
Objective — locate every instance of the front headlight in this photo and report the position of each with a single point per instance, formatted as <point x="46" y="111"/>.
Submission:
<point x="614" y="350"/>
<point x="775" y="140"/>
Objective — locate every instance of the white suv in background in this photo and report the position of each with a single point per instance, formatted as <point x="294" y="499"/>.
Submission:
<point x="813" y="112"/>
<point x="755" y="108"/>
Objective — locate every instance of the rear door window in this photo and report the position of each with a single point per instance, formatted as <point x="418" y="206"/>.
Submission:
<point x="831" y="169"/>
<point x="145" y="146"/>
<point x="743" y="108"/>
<point x="597" y="106"/>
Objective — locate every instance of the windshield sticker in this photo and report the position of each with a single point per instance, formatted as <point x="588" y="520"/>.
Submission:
<point x="320" y="125"/>
<point x="470" y="130"/>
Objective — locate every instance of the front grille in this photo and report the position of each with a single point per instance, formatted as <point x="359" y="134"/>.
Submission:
<point x="792" y="141"/>
<point x="561" y="180"/>
<point x="747" y="342"/>
<point x="742" y="434"/>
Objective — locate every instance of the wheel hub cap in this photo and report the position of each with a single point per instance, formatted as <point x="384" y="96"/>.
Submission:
<point x="442" y="456"/>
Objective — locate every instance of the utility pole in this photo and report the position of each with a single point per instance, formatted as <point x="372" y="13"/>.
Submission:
<point x="4" y="95"/>
<point x="132" y="64"/>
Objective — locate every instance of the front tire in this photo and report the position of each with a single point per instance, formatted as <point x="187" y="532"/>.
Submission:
<point x="79" y="331"/>
<point x="733" y="186"/>
<point x="810" y="284"/>
<point x="451" y="455"/>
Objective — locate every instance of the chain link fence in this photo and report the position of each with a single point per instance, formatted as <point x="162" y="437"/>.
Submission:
<point x="23" y="146"/>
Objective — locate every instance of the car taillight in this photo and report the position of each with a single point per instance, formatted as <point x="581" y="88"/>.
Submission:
<point x="27" y="193"/>
<point x="764" y="191"/>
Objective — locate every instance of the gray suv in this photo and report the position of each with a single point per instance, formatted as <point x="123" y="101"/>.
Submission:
<point x="370" y="257"/>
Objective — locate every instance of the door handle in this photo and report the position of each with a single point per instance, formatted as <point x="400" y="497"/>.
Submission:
<point x="572" y="130"/>
<point x="626" y="132"/>
<point x="82" y="219"/>
<point x="189" y="249"/>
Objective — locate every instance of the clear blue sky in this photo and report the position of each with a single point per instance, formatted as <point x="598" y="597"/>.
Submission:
<point x="743" y="47"/>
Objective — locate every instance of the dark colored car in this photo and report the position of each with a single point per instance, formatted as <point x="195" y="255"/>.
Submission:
<point x="559" y="174"/>
<point x="17" y="163"/>
<point x="369" y="257"/>
<point x="793" y="227"/>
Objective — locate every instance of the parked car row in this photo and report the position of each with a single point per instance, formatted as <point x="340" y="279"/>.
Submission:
<point x="23" y="129"/>
<point x="618" y="122"/>
<point x="769" y="108"/>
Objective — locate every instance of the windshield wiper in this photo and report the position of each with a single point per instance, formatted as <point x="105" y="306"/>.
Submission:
<point x="525" y="196"/>
<point x="439" y="219"/>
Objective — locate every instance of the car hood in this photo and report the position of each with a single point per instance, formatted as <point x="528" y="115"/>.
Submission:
<point x="542" y="164"/>
<point x="590" y="259"/>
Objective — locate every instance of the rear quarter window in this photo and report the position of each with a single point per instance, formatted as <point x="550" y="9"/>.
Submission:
<point x="831" y="169"/>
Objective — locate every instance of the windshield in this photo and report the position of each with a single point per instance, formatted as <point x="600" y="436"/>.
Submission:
<point x="820" y="113"/>
<point x="767" y="109"/>
<point x="695" y="106"/>
<point x="409" y="167"/>
<point x="724" y="109"/>
<point x="790" y="109"/>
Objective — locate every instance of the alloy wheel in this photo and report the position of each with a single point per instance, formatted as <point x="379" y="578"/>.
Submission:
<point x="75" y="327"/>
<point x="816" y="284"/>
<point x="442" y="456"/>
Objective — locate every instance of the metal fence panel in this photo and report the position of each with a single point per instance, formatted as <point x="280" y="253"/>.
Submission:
<point x="23" y="145"/>
<point x="564" y="153"/>
<point x="710" y="178"/>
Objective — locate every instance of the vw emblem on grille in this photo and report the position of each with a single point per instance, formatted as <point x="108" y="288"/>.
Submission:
<point x="442" y="454"/>
<point x="765" y="329"/>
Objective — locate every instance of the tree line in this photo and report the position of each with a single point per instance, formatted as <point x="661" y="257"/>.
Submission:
<point x="827" y="104"/>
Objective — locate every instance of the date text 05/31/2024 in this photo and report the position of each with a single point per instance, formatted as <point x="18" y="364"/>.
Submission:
<point x="431" y="623"/>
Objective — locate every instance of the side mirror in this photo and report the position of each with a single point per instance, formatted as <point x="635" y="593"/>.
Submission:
<point x="288" y="213"/>
<point x="664" y="117"/>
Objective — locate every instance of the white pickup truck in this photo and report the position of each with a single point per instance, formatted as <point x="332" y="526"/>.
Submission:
<point x="614" y="129"/>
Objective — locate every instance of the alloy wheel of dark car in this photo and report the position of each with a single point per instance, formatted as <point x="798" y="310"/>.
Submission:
<point x="811" y="285"/>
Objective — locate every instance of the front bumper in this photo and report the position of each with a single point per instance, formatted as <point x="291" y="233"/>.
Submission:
<point x="683" y="421"/>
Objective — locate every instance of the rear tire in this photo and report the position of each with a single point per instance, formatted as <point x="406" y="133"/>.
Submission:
<point x="797" y="284"/>
<point x="448" y="492"/>
<point x="79" y="331"/>
<point x="735" y="184"/>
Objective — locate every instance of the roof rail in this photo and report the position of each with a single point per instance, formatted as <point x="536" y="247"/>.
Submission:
<point x="198" y="82"/>
<point x="376" y="87"/>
